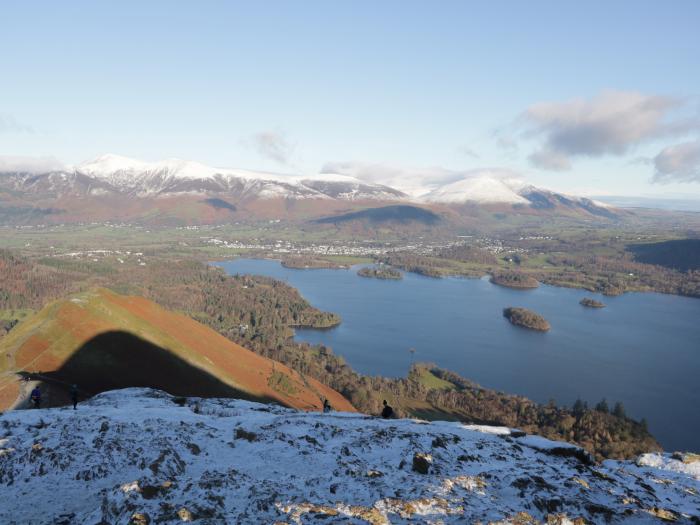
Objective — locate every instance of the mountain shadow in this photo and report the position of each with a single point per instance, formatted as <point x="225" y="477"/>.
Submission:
<point x="220" y="204"/>
<point x="402" y="214"/>
<point x="118" y="359"/>
<point x="679" y="254"/>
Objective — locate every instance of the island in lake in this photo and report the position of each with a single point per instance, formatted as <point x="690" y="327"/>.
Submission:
<point x="526" y="318"/>
<point x="381" y="272"/>
<point x="514" y="280"/>
<point x="591" y="303"/>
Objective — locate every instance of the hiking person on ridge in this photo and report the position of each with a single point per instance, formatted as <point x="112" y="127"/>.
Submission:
<point x="35" y="397"/>
<point x="387" y="411"/>
<point x="74" y="396"/>
<point x="326" y="406"/>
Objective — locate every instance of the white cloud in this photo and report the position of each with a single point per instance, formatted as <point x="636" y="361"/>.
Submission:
<point x="10" y="164"/>
<point x="411" y="180"/>
<point x="550" y="160"/>
<point x="469" y="152"/>
<point x="505" y="141"/>
<point x="678" y="163"/>
<point x="274" y="145"/>
<point x="8" y="124"/>
<point x="608" y="124"/>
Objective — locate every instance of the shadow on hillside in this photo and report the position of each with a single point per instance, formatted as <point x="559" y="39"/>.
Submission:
<point x="118" y="359"/>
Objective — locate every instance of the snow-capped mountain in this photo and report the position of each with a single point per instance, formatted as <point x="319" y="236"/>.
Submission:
<point x="349" y="188"/>
<point x="113" y="187"/>
<point x="114" y="174"/>
<point x="174" y="176"/>
<point x="140" y="456"/>
<point x="484" y="189"/>
<point x="492" y="188"/>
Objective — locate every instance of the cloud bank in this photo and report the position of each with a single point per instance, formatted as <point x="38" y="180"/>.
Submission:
<point x="274" y="145"/>
<point x="678" y="163"/>
<point x="412" y="180"/>
<point x="8" y="124"/>
<point x="608" y="124"/>
<point x="13" y="164"/>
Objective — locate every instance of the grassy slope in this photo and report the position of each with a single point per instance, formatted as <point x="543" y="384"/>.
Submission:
<point x="48" y="340"/>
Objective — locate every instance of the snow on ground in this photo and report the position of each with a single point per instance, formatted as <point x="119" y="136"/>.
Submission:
<point x="667" y="462"/>
<point x="137" y="456"/>
<point x="485" y="188"/>
<point x="161" y="177"/>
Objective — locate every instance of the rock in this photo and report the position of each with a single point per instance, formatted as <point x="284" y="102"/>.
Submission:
<point x="663" y="514"/>
<point x="548" y="504"/>
<point x="686" y="457"/>
<point x="248" y="436"/>
<point x="184" y="514"/>
<point x="138" y="518"/>
<point x="439" y="442"/>
<point x="422" y="462"/>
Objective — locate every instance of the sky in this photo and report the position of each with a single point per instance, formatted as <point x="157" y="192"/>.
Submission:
<point x="589" y="98"/>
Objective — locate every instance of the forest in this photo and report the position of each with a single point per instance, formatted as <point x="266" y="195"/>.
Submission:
<point x="512" y="279"/>
<point x="381" y="272"/>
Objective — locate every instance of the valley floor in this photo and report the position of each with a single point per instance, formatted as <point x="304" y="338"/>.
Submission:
<point x="140" y="456"/>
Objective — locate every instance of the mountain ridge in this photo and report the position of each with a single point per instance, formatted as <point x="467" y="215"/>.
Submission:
<point x="176" y="175"/>
<point x="101" y="340"/>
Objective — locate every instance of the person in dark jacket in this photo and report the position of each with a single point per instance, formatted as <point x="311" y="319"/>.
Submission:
<point x="74" y="396"/>
<point x="326" y="406"/>
<point x="35" y="397"/>
<point x="387" y="411"/>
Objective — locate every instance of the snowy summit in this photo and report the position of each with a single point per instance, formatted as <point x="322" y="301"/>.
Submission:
<point x="183" y="176"/>
<point x="141" y="456"/>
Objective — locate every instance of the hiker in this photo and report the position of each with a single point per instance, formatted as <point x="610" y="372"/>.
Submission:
<point x="326" y="406"/>
<point x="387" y="411"/>
<point x="74" y="396"/>
<point x="35" y="397"/>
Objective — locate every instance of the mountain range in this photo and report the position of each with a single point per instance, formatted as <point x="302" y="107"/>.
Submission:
<point x="113" y="187"/>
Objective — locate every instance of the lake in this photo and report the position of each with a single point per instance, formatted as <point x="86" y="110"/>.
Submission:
<point x="642" y="349"/>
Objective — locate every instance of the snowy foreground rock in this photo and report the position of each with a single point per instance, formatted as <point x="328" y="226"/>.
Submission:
<point x="140" y="456"/>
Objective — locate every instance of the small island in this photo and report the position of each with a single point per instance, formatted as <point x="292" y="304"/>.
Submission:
<point x="591" y="303"/>
<point x="514" y="280"/>
<point x="526" y="318"/>
<point x="381" y="272"/>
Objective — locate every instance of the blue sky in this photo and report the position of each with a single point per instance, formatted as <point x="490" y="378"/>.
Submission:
<point x="587" y="97"/>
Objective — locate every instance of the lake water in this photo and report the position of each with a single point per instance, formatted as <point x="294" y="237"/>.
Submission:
<point x="642" y="349"/>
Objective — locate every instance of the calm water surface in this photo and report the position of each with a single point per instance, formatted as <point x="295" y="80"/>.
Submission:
<point x="642" y="349"/>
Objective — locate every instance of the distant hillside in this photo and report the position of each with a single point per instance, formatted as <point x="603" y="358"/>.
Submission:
<point x="101" y="340"/>
<point x="402" y="214"/>
<point x="682" y="254"/>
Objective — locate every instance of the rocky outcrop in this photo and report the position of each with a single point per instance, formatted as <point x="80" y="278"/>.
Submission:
<point x="141" y="456"/>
